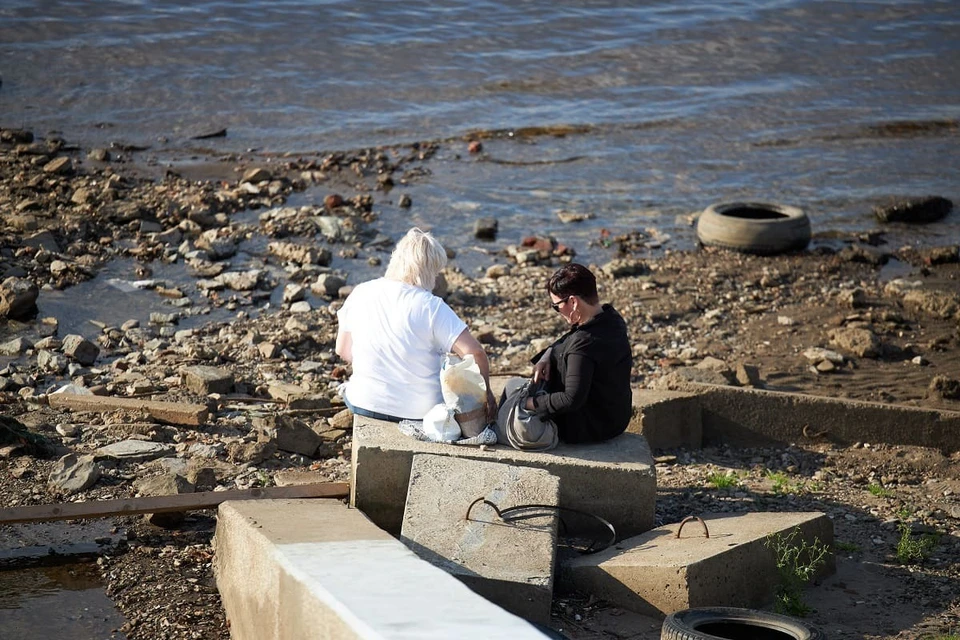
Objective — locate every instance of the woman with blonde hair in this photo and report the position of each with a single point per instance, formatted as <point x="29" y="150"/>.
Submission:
<point x="395" y="332"/>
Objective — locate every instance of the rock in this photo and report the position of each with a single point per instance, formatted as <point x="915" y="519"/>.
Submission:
<point x="342" y="420"/>
<point x="818" y="354"/>
<point x="202" y="478"/>
<point x="82" y="196"/>
<point x="920" y="361"/>
<point x="252" y="452"/>
<point x="80" y="349"/>
<point x="677" y="378"/>
<point x="475" y="146"/>
<point x="941" y="255"/>
<point x="332" y="201"/>
<point x="914" y="210"/>
<point x="495" y="271"/>
<point x="404" y="201"/>
<point x="826" y="366"/>
<point x="624" y="267"/>
<point x="939" y="304"/>
<point x="864" y="254"/>
<point x="18" y="298"/>
<point x="294" y="477"/>
<point x="218" y="247"/>
<point x="327" y="284"/>
<point x="205" y="380"/>
<point x="42" y="240"/>
<point x="944" y="388"/>
<point x="268" y="350"/>
<point x="293" y="293"/>
<point x="168" y="484"/>
<point x="132" y="451"/>
<point x="303" y="306"/>
<point x="257" y="174"/>
<point x="300" y="254"/>
<point x="15" y="347"/>
<point x="240" y="281"/>
<point x="73" y="474"/>
<point x="713" y="364"/>
<point x="855" y="298"/>
<point x="51" y="362"/>
<point x="486" y="228"/>
<point x="290" y="434"/>
<point x="862" y="343"/>
<point x="59" y="166"/>
<point x="569" y="217"/>
<point x="748" y="375"/>
<point x="99" y="155"/>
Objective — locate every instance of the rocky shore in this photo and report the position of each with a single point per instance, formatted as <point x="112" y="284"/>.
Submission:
<point x="865" y="320"/>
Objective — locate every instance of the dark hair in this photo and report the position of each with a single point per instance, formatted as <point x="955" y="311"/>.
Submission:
<point x="574" y="280"/>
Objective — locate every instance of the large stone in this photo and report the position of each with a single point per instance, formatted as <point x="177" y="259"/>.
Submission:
<point x="133" y="451"/>
<point x="657" y="573"/>
<point x="509" y="563"/>
<point x="167" y="484"/>
<point x="862" y="343"/>
<point x="615" y="480"/>
<point x="316" y="569"/>
<point x="914" y="210"/>
<point x="73" y="474"/>
<point x="933" y="302"/>
<point x="290" y="434"/>
<point x="206" y="380"/>
<point x="18" y="298"/>
<point x="80" y="349"/>
<point x="15" y="347"/>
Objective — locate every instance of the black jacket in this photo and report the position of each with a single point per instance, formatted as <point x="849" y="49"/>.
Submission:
<point x="589" y="394"/>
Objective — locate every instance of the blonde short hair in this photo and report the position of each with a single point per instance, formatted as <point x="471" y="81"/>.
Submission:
<point x="417" y="259"/>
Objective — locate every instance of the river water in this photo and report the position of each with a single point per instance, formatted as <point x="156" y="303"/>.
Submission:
<point x="666" y="106"/>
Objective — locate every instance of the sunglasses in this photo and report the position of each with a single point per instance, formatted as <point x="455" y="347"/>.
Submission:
<point x="556" y="305"/>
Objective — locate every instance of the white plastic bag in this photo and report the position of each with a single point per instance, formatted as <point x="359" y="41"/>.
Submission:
<point x="439" y="425"/>
<point x="462" y="383"/>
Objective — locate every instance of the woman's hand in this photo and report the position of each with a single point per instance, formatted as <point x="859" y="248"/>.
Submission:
<point x="491" y="406"/>
<point x="541" y="370"/>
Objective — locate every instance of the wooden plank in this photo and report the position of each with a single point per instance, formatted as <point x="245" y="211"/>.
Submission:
<point x="172" y="412"/>
<point x="165" y="504"/>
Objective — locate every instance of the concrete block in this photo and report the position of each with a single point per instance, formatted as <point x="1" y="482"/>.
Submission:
<point x="656" y="573"/>
<point x="206" y="380"/>
<point x="615" y="480"/>
<point x="753" y="417"/>
<point x="315" y="569"/>
<point x="509" y="563"/>
<point x="667" y="419"/>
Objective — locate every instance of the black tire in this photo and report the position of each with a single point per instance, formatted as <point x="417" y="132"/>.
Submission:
<point x="730" y="623"/>
<point x="754" y="227"/>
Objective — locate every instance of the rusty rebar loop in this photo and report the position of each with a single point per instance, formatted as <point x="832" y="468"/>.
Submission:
<point x="706" y="532"/>
<point x="504" y="515"/>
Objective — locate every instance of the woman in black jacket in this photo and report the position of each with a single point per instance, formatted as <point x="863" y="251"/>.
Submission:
<point x="587" y="370"/>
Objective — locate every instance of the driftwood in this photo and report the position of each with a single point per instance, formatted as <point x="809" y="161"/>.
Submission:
<point x="165" y="504"/>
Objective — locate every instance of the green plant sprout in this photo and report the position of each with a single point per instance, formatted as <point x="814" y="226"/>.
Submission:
<point x="797" y="564"/>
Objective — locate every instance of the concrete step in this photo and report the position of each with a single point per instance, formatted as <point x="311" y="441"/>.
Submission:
<point x="615" y="479"/>
<point x="657" y="573"/>
<point x="509" y="563"/>
<point x="307" y="569"/>
<point x="667" y="419"/>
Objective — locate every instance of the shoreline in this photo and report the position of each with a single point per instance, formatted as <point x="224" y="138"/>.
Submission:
<point x="683" y="308"/>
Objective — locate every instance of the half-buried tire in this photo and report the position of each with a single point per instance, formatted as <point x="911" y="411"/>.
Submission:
<point x="730" y="623"/>
<point x="754" y="227"/>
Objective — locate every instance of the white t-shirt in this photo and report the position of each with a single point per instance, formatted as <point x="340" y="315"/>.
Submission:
<point x="399" y="334"/>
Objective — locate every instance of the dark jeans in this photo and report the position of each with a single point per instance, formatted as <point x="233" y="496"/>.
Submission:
<point x="370" y="414"/>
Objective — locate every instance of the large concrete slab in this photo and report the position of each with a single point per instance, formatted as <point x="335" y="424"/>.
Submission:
<point x="667" y="419"/>
<point x="656" y="573"/>
<point x="318" y="570"/>
<point x="510" y="563"/>
<point x="747" y="417"/>
<point x="615" y="479"/>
